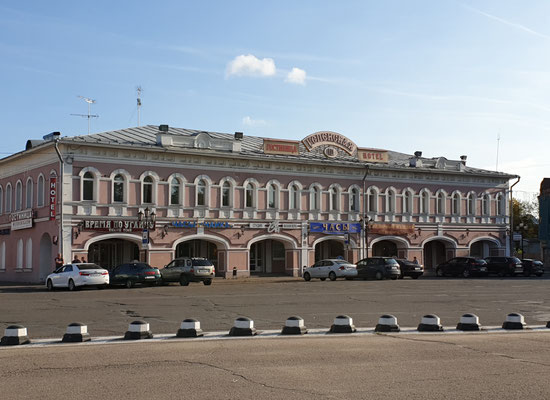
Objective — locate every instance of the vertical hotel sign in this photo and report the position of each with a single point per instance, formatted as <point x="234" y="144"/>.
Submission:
<point x="53" y="196"/>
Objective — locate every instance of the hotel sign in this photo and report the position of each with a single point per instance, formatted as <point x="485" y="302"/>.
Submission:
<point x="21" y="220"/>
<point x="117" y="225"/>
<point x="372" y="155"/>
<point x="282" y="147"/>
<point x="327" y="138"/>
<point x="334" y="228"/>
<point x="53" y="196"/>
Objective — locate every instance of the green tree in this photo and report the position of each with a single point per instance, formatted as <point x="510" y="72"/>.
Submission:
<point x="526" y="212"/>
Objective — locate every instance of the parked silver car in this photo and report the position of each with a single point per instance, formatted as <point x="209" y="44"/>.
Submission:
<point x="331" y="269"/>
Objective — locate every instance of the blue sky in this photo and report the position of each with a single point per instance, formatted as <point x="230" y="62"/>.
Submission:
<point x="443" y="77"/>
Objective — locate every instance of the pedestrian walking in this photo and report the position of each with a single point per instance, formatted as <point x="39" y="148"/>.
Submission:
<point x="58" y="261"/>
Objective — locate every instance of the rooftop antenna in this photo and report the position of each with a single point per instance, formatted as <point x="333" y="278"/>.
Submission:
<point x="498" y="144"/>
<point x="139" y="90"/>
<point x="89" y="115"/>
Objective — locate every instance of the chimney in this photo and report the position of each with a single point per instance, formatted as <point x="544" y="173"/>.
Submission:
<point x="163" y="128"/>
<point x="238" y="136"/>
<point x="51" y="136"/>
<point x="463" y="159"/>
<point x="418" y="154"/>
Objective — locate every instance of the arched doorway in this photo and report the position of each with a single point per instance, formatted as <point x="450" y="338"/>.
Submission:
<point x="109" y="253"/>
<point x="198" y="248"/>
<point x="436" y="252"/>
<point x="329" y="249"/>
<point x="484" y="248"/>
<point x="384" y="248"/>
<point x="46" y="259"/>
<point x="267" y="257"/>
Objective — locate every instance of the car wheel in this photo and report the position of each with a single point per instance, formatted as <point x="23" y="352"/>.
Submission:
<point x="414" y="276"/>
<point x="466" y="273"/>
<point x="501" y="273"/>
<point x="100" y="287"/>
<point x="393" y="278"/>
<point x="129" y="284"/>
<point x="71" y="285"/>
<point x="379" y="275"/>
<point x="332" y="276"/>
<point x="307" y="277"/>
<point x="323" y="279"/>
<point x="49" y="285"/>
<point x="184" y="281"/>
<point x="207" y="282"/>
<point x="401" y="276"/>
<point x="439" y="272"/>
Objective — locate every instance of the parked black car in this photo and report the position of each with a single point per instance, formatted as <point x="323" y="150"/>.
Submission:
<point x="409" y="268"/>
<point x="503" y="266"/>
<point x="532" y="267"/>
<point x="136" y="272"/>
<point x="378" y="268"/>
<point x="462" y="266"/>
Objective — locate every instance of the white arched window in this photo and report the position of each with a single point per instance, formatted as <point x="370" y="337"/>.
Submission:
<point x="28" y="254"/>
<point x="354" y="200"/>
<point x="249" y="195"/>
<point x="175" y="192"/>
<point x="88" y="182"/>
<point x="226" y="194"/>
<point x="28" y="193"/>
<point x="3" y="255"/>
<point x="500" y="204"/>
<point x="390" y="207"/>
<point x="40" y="192"/>
<point x="456" y="204"/>
<point x="334" y="199"/>
<point x="148" y="184"/>
<point x="486" y="204"/>
<point x="118" y="188"/>
<point x="1" y="200"/>
<point x="201" y="192"/>
<point x="294" y="197"/>
<point x="271" y="196"/>
<point x="440" y="203"/>
<point x="471" y="204"/>
<point x="315" y="198"/>
<point x="8" y="198"/>
<point x="19" y="261"/>
<point x="425" y="202"/>
<point x="407" y="202"/>
<point x="18" y="196"/>
<point x="372" y="200"/>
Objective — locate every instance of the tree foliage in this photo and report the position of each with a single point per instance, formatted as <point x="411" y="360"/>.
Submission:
<point x="526" y="212"/>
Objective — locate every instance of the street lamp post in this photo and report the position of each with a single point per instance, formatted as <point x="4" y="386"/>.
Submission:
<point x="521" y="228"/>
<point x="146" y="219"/>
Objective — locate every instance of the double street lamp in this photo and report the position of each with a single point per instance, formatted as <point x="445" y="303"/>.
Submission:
<point x="146" y="220"/>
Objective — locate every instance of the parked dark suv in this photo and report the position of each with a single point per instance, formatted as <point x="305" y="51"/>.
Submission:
<point x="462" y="266"/>
<point x="378" y="268"/>
<point x="131" y="273"/>
<point x="532" y="267"/>
<point x="503" y="266"/>
<point x="185" y="270"/>
<point x="410" y="268"/>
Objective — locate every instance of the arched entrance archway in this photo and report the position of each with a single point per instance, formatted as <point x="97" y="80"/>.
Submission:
<point x="46" y="258"/>
<point x="329" y="249"/>
<point x="384" y="248"/>
<point x="267" y="257"/>
<point x="484" y="248"/>
<point x="198" y="248"/>
<point x="437" y="251"/>
<point x="109" y="253"/>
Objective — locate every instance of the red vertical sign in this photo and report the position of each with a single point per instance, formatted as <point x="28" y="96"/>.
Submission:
<point x="53" y="196"/>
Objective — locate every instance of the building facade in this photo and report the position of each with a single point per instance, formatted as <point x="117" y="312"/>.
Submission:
<point x="251" y="205"/>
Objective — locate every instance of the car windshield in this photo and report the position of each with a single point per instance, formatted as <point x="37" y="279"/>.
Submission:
<point x="202" y="263"/>
<point x="88" y="266"/>
<point x="480" y="261"/>
<point x="390" y="261"/>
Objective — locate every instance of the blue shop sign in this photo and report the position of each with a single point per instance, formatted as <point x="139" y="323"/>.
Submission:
<point x="334" y="228"/>
<point x="206" y="224"/>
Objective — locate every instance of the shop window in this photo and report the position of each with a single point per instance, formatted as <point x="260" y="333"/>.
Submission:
<point x="28" y="193"/>
<point x="40" y="192"/>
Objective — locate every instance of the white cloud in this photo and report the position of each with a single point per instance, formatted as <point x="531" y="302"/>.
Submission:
<point x="297" y="76"/>
<point x="253" y="122"/>
<point x="250" y="65"/>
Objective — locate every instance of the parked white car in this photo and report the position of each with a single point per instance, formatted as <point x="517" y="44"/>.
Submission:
<point x="332" y="269"/>
<point x="72" y="276"/>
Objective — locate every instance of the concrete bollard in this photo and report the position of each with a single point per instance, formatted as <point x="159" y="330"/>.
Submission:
<point x="387" y="323"/>
<point x="430" y="323"/>
<point x="138" y="330"/>
<point x="514" y="321"/>
<point x="469" y="322"/>
<point x="243" y="326"/>
<point x="15" y="335"/>
<point x="76" y="332"/>
<point x="294" y="326"/>
<point x="342" y="324"/>
<point x="190" y="328"/>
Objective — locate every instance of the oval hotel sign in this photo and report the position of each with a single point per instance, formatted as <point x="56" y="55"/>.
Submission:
<point x="327" y="138"/>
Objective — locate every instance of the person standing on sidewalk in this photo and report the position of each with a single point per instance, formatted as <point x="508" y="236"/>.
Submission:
<point x="58" y="261"/>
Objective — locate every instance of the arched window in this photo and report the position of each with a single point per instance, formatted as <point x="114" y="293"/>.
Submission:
<point x="8" y="198"/>
<point x="28" y="254"/>
<point x="294" y="197"/>
<point x="334" y="199"/>
<point x="88" y="186"/>
<point x="500" y="204"/>
<point x="40" y="192"/>
<point x="354" y="200"/>
<point x="487" y="204"/>
<point x="315" y="198"/>
<point x="271" y="196"/>
<point x="28" y="194"/>
<point x="471" y="204"/>
<point x="440" y="203"/>
<point x="18" y="195"/>
<point x="118" y="189"/>
<point x="19" y="261"/>
<point x="201" y="192"/>
<point x="407" y="202"/>
<point x="175" y="192"/>
<point x="425" y="202"/>
<point x="391" y="201"/>
<point x="147" y="190"/>
<point x="226" y="194"/>
<point x="1" y="200"/>
<point x="249" y="196"/>
<point x="372" y="200"/>
<point x="456" y="204"/>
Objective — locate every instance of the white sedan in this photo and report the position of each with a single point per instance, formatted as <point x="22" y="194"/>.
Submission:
<point x="72" y="276"/>
<point x="332" y="269"/>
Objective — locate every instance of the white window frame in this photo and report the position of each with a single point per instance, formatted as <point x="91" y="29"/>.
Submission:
<point x="372" y="199"/>
<point x="424" y="200"/>
<point x="315" y="192"/>
<point x="18" y="195"/>
<point x="354" y="199"/>
<point x="456" y="202"/>
<point x="407" y="202"/>
<point x="9" y="198"/>
<point x="207" y="187"/>
<point x="95" y="189"/>
<point x="29" y="193"/>
<point x="471" y="203"/>
<point x="40" y="191"/>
